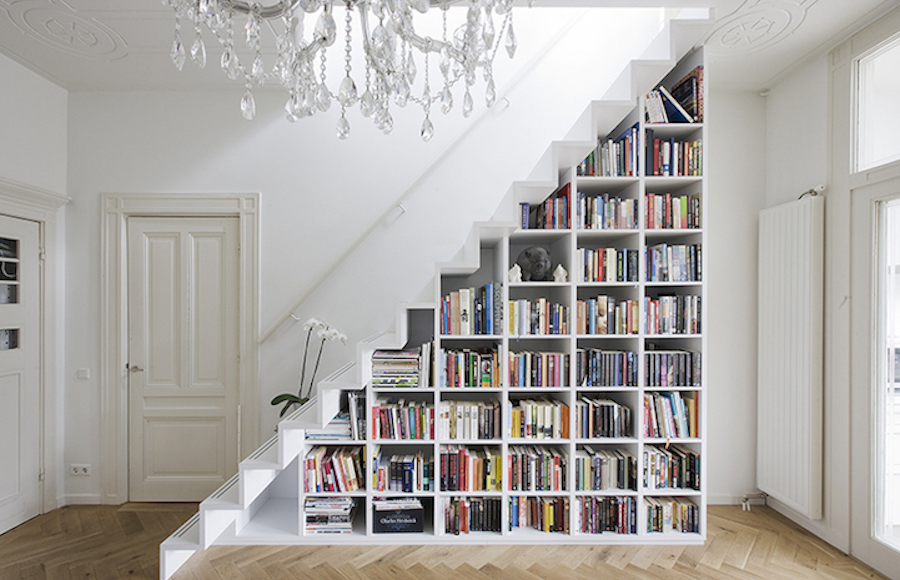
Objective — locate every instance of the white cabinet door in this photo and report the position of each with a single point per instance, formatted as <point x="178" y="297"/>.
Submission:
<point x="183" y="283"/>
<point x="20" y="357"/>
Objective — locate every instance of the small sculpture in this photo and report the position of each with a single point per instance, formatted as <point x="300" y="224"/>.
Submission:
<point x="535" y="263"/>
<point x="515" y="273"/>
<point x="560" y="274"/>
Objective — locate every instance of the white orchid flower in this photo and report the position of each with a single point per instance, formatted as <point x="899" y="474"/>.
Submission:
<point x="314" y="323"/>
<point x="332" y="334"/>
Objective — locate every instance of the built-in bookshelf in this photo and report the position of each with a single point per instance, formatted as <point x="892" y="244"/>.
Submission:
<point x="561" y="409"/>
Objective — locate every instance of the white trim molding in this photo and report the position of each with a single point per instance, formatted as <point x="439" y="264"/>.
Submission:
<point x="116" y="209"/>
<point x="25" y="202"/>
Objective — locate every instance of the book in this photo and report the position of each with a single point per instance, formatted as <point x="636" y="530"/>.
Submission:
<point x="689" y="93"/>
<point x="675" y="113"/>
<point x="551" y="214"/>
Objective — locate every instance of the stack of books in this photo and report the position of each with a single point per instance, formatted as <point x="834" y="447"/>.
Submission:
<point x="395" y="368"/>
<point x="337" y="430"/>
<point x="329" y="515"/>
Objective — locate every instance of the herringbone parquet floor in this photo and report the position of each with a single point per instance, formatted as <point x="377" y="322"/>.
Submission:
<point x="104" y="542"/>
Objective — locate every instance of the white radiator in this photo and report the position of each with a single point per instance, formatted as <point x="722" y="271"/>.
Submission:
<point x="790" y="374"/>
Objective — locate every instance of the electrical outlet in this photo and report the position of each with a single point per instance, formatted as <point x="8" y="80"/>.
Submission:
<point x="80" y="469"/>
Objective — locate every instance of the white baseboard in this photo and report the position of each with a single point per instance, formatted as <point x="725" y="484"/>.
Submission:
<point x="724" y="499"/>
<point x="81" y="499"/>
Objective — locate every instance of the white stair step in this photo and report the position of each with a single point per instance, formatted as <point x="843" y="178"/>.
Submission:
<point x="306" y="417"/>
<point x="219" y="511"/>
<point x="177" y="548"/>
<point x="258" y="471"/>
<point x="275" y="521"/>
<point x="534" y="190"/>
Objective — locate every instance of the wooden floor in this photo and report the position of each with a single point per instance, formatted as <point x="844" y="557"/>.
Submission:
<point x="106" y="542"/>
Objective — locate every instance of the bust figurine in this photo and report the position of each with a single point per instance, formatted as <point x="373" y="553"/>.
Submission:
<point x="535" y="263"/>
<point x="515" y="274"/>
<point x="560" y="274"/>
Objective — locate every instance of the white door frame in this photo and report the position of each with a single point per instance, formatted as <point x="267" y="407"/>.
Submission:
<point x="116" y="209"/>
<point x="851" y="195"/>
<point x="864" y="309"/>
<point x="24" y="202"/>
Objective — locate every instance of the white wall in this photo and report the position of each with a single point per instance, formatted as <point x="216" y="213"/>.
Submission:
<point x="798" y="133"/>
<point x="318" y="194"/>
<point x="737" y="168"/>
<point x="798" y="149"/>
<point x="33" y="126"/>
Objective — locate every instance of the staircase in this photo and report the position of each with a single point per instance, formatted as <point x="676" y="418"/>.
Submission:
<point x="262" y="485"/>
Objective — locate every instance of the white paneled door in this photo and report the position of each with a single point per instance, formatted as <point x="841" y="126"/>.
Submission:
<point x="183" y="284"/>
<point x="20" y="357"/>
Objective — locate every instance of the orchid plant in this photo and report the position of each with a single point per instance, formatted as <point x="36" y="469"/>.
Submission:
<point x="325" y="334"/>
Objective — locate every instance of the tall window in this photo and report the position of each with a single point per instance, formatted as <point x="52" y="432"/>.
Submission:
<point x="887" y="400"/>
<point x="879" y="106"/>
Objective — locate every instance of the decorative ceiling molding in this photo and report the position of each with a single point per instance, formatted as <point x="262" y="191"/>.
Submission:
<point x="757" y="25"/>
<point x="57" y="25"/>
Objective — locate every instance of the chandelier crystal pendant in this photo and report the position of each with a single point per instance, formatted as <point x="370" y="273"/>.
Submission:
<point x="390" y="67"/>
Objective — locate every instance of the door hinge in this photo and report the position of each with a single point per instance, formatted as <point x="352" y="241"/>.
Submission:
<point x="41" y="475"/>
<point x="42" y="255"/>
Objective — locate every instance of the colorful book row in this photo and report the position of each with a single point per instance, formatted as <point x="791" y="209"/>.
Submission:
<point x="672" y="515"/>
<point x="596" y="515"/>
<point x="667" y="211"/>
<point x="538" y="419"/>
<point x="334" y="469"/>
<point x="673" y="368"/>
<point x="606" y="368"/>
<point x="545" y="514"/>
<point x="607" y="264"/>
<point x="469" y="469"/>
<point x="670" y="415"/>
<point x="407" y="473"/>
<point x="537" y="468"/>
<point x="468" y="420"/>
<point x="671" y="467"/>
<point x="607" y="315"/>
<point x="671" y="158"/>
<point x="472" y="514"/>
<point x="674" y="263"/>
<point x="605" y="212"/>
<point x="679" y="314"/>
<point x="529" y="317"/>
<point x="551" y="214"/>
<point x="596" y="418"/>
<point x="604" y="469"/>
<point x="403" y="420"/>
<point x="473" y="311"/>
<point x="538" y="369"/>
<point x="468" y="368"/>
<point x="618" y="157"/>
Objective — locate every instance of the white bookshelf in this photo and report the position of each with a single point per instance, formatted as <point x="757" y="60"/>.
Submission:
<point x="277" y="516"/>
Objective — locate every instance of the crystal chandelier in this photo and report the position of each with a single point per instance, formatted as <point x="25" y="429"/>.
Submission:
<point x="390" y="69"/>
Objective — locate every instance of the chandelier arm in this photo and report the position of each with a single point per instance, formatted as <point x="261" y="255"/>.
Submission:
<point x="428" y="44"/>
<point x="265" y="12"/>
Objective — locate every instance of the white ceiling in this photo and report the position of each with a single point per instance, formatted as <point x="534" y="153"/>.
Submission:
<point x="84" y="45"/>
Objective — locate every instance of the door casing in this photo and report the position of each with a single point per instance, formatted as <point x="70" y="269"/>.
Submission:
<point x="31" y="203"/>
<point x="116" y="209"/>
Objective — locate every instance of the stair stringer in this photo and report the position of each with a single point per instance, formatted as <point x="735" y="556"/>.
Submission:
<point x="228" y="509"/>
